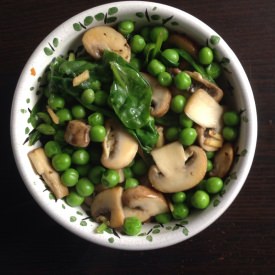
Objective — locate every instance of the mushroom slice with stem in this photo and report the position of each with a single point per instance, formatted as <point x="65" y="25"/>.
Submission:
<point x="143" y="203"/>
<point x="211" y="88"/>
<point x="177" y="169"/>
<point x="161" y="97"/>
<point x="100" y="38"/>
<point x="77" y="133"/>
<point x="43" y="167"/>
<point x="107" y="207"/>
<point x="204" y="110"/>
<point x="119" y="147"/>
<point x="222" y="161"/>
<point x="209" y="139"/>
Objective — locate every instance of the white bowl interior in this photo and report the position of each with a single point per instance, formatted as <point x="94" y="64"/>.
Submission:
<point x="66" y="37"/>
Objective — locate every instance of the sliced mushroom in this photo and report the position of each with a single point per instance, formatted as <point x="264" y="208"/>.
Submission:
<point x="183" y="42"/>
<point x="43" y="167"/>
<point x="175" y="169"/>
<point x="161" y="140"/>
<point x="77" y="133"/>
<point x="208" y="86"/>
<point x="209" y="139"/>
<point x="204" y="110"/>
<point x="107" y="207"/>
<point x="98" y="39"/>
<point x="143" y="203"/>
<point x="119" y="147"/>
<point x="222" y="161"/>
<point x="161" y="97"/>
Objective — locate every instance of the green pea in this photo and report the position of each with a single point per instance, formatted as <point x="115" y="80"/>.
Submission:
<point x="101" y="98"/>
<point x="171" y="133"/>
<point x="231" y="118"/>
<point x="61" y="162"/>
<point x="80" y="157"/>
<point x="178" y="197"/>
<point x="213" y="70"/>
<point x="213" y="185"/>
<point x="145" y="33"/>
<point x="200" y="199"/>
<point x="178" y="103"/>
<point x="84" y="187"/>
<point x="127" y="172"/>
<point x="139" y="168"/>
<point x="209" y="165"/>
<point x="180" y="211"/>
<point x="131" y="183"/>
<point x="56" y="102"/>
<point x="126" y="27"/>
<point x="46" y="129"/>
<point x="210" y="154"/>
<point x="70" y="177"/>
<point x="187" y="136"/>
<point x="165" y="79"/>
<point x="132" y="226"/>
<point x="59" y="136"/>
<point x="137" y="43"/>
<point x="88" y="96"/>
<point x="170" y="56"/>
<point x="95" y="85"/>
<point x="52" y="148"/>
<point x="78" y="111"/>
<point x="155" y="67"/>
<point x="205" y="56"/>
<point x="163" y="218"/>
<point x="185" y="121"/>
<point x="182" y="81"/>
<point x="64" y="115"/>
<point x="159" y="31"/>
<point x="110" y="178"/>
<point x="95" y="174"/>
<point x="97" y="133"/>
<point x="96" y="119"/>
<point x="74" y="199"/>
<point x="229" y="133"/>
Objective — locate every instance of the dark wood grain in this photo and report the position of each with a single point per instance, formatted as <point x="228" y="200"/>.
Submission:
<point x="242" y="241"/>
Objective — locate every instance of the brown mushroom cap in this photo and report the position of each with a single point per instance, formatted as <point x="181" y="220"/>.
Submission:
<point x="143" y="203"/>
<point x="210" y="87"/>
<point x="119" y="147"/>
<point x="177" y="169"/>
<point x="98" y="39"/>
<point x="223" y="160"/>
<point x="107" y="207"/>
<point x="161" y="97"/>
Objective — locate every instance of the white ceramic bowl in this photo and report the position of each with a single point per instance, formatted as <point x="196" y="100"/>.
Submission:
<point x="66" y="37"/>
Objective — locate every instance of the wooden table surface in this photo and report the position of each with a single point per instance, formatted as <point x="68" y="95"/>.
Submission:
<point x="242" y="241"/>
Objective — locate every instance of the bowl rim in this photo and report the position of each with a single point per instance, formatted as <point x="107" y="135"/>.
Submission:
<point x="241" y="77"/>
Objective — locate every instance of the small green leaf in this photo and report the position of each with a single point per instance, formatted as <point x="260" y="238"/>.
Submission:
<point x="99" y="16"/>
<point x="23" y="111"/>
<point x="55" y="42"/>
<point x="142" y="234"/>
<point x="31" y="88"/>
<point x="155" y="231"/>
<point x="111" y="19"/>
<point x="174" y="23"/>
<point x="72" y="219"/>
<point x="182" y="222"/>
<point x="185" y="231"/>
<point x="111" y="240"/>
<point x="77" y="27"/>
<point x="88" y="20"/>
<point x="156" y="226"/>
<point x="149" y="238"/>
<point x="225" y="61"/>
<point x="154" y="8"/>
<point x="109" y="230"/>
<point x="51" y="196"/>
<point x="28" y="100"/>
<point x="112" y="10"/>
<point x="79" y="213"/>
<point x="83" y="223"/>
<point x="243" y="153"/>
<point x="214" y="39"/>
<point x="233" y="175"/>
<point x="168" y="227"/>
<point x="48" y="51"/>
<point x="155" y="17"/>
<point x="244" y="119"/>
<point x="63" y="206"/>
<point x="140" y="14"/>
<point x="227" y="180"/>
<point x="216" y="202"/>
<point x="176" y="227"/>
<point x="27" y="130"/>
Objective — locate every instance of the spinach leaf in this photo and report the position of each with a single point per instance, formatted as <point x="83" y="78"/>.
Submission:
<point x="130" y="96"/>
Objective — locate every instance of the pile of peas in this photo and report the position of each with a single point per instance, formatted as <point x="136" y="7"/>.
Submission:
<point x="80" y="168"/>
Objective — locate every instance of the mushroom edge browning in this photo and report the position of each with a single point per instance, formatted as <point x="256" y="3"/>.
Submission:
<point x="177" y="169"/>
<point x="119" y="147"/>
<point x="100" y="38"/>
